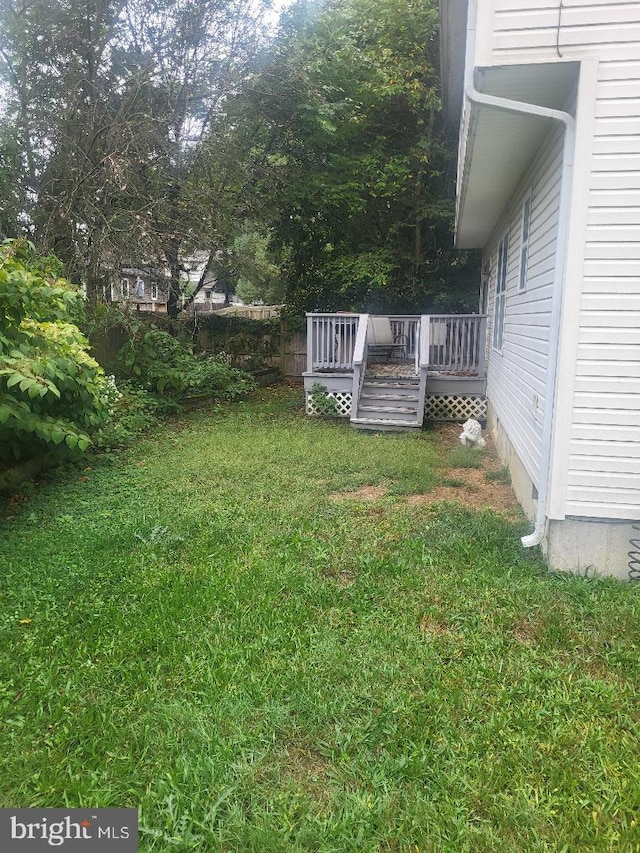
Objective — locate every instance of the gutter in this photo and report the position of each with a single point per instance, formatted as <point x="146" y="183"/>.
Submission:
<point x="557" y="290"/>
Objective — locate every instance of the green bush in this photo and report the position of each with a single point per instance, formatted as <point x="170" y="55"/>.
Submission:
<point x="165" y="365"/>
<point x="322" y="402"/>
<point x="132" y="410"/>
<point x="52" y="393"/>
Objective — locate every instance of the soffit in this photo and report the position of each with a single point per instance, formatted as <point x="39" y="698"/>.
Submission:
<point x="453" y="39"/>
<point x="501" y="144"/>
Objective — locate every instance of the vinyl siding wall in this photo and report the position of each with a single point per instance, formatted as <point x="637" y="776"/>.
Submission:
<point x="517" y="374"/>
<point x="603" y="453"/>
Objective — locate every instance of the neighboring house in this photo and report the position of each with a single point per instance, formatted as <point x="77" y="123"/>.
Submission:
<point x="141" y="288"/>
<point x="213" y="294"/>
<point x="547" y="97"/>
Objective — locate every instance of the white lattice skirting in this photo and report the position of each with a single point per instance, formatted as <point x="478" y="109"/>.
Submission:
<point x="342" y="401"/>
<point x="458" y="407"/>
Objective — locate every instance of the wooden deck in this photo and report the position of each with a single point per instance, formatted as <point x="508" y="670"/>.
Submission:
<point x="437" y="365"/>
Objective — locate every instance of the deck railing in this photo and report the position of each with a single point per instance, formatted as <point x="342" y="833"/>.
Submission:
<point x="359" y="362"/>
<point x="331" y="340"/>
<point x="456" y="342"/>
<point x="405" y="329"/>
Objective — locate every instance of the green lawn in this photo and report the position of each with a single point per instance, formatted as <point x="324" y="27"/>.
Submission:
<point x="257" y="665"/>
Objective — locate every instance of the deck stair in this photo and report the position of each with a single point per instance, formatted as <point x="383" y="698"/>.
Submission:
<point x="389" y="403"/>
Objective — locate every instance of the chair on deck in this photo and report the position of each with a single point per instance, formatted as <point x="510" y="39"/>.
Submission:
<point x="382" y="342"/>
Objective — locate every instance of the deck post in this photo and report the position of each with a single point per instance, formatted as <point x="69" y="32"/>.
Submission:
<point x="422" y="359"/>
<point x="482" y="346"/>
<point x="310" y="343"/>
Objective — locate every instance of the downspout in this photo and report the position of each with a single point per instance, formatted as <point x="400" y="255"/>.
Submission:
<point x="475" y="97"/>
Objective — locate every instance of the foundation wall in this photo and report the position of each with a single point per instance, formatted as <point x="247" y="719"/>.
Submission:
<point x="584" y="546"/>
<point x="521" y="482"/>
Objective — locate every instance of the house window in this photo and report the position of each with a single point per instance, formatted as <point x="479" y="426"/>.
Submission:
<point x="524" y="241"/>
<point x="154" y="292"/>
<point x="124" y="286"/>
<point x="501" y="291"/>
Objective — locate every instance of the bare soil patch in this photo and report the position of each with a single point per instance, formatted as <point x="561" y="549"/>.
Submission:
<point x="475" y="489"/>
<point x="343" y="577"/>
<point x="310" y="771"/>
<point x="364" y="493"/>
<point x="526" y="631"/>
<point x="428" y="625"/>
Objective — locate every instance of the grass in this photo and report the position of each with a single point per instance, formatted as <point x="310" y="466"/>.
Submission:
<point x="499" y="475"/>
<point x="199" y="628"/>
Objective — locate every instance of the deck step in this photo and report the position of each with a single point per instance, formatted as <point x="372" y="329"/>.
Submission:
<point x="389" y="391"/>
<point x="368" y="394"/>
<point x="391" y="383"/>
<point x="376" y="425"/>
<point x="389" y="410"/>
<point x="388" y="403"/>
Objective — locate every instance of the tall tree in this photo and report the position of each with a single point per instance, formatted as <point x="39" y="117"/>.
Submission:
<point x="112" y="102"/>
<point x="354" y="160"/>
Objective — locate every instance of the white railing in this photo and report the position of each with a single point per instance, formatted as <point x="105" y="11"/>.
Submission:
<point x="331" y="341"/>
<point x="405" y="330"/>
<point x="456" y="343"/>
<point x="422" y="358"/>
<point x="359" y="362"/>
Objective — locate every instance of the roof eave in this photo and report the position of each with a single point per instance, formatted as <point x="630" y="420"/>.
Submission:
<point x="499" y="145"/>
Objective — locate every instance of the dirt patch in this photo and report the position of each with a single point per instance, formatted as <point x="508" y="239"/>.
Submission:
<point x="475" y="491"/>
<point x="598" y="670"/>
<point x="526" y="632"/>
<point x="364" y="493"/>
<point x="474" y="487"/>
<point x="343" y="578"/>
<point x="310" y="771"/>
<point x="433" y="626"/>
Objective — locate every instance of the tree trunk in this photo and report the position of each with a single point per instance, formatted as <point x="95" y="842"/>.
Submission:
<point x="172" y="255"/>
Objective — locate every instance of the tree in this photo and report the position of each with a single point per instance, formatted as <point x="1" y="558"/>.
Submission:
<point x="112" y="102"/>
<point x="354" y="159"/>
<point x="259" y="278"/>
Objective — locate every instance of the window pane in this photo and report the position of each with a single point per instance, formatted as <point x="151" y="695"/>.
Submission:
<point x="501" y="287"/>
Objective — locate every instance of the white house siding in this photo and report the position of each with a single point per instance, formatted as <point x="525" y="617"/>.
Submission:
<point x="604" y="449"/>
<point x="604" y="463"/>
<point x="516" y="376"/>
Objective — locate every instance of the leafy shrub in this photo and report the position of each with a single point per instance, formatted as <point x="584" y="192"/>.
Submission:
<point x="51" y="390"/>
<point x="323" y="403"/>
<point x="165" y="365"/>
<point x="132" y="409"/>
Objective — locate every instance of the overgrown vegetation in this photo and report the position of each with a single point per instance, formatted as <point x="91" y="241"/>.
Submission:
<point x="53" y="395"/>
<point x="353" y="169"/>
<point x="55" y="398"/>
<point x="218" y="629"/>
<point x="166" y="365"/>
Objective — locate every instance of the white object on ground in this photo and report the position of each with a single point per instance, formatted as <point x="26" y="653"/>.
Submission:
<point x="472" y="434"/>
